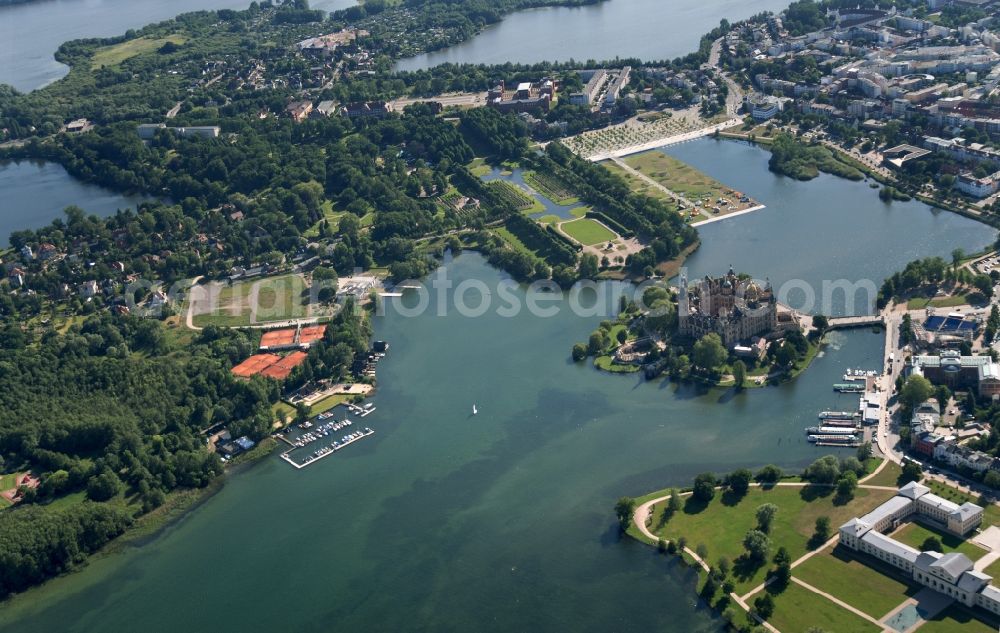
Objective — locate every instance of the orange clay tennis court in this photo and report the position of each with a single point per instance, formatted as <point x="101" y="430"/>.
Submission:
<point x="254" y="365"/>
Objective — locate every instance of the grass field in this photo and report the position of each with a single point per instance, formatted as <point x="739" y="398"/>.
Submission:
<point x="683" y="179"/>
<point x="956" y="620"/>
<point x="914" y="534"/>
<point x="993" y="569"/>
<point x="254" y="301"/>
<point x="479" y="167"/>
<point x="333" y="220"/>
<point x="588" y="232"/>
<point x="514" y="241"/>
<point x="7" y="480"/>
<point x="606" y="363"/>
<point x="329" y="402"/>
<point x="284" y="411"/>
<point x="576" y="212"/>
<point x="796" y="609"/>
<point x="116" y="54"/>
<point x="636" y="184"/>
<point x="888" y="476"/>
<point x="6" y="483"/>
<point x="855" y="582"/>
<point x="723" y="523"/>
<point x="918" y="303"/>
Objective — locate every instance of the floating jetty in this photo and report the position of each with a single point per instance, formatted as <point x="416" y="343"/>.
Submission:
<point x="841" y="423"/>
<point x="831" y="430"/>
<point x="325" y="451"/>
<point x="834" y="440"/>
<point x="838" y="415"/>
<point x="849" y="387"/>
<point x="361" y="411"/>
<point x="859" y="374"/>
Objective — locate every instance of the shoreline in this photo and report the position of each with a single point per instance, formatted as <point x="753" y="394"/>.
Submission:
<point x="149" y="527"/>
<point x="728" y="215"/>
<point x="664" y="141"/>
<point x="846" y="158"/>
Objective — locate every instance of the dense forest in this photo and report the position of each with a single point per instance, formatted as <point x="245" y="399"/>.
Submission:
<point x="110" y="410"/>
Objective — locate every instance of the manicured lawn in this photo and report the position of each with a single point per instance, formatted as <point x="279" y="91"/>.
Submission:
<point x="796" y="609"/>
<point x="637" y="185"/>
<point x="328" y="403"/>
<point x="479" y="167"/>
<point x="993" y="569"/>
<point x="332" y="218"/>
<point x="116" y="54"/>
<point x="7" y="481"/>
<point x="918" y="303"/>
<point x="682" y="178"/>
<point x="606" y="363"/>
<point x="278" y="299"/>
<point x="514" y="241"/>
<point x="838" y="573"/>
<point x="956" y="620"/>
<point x="888" y="476"/>
<point x="68" y="500"/>
<point x="914" y="534"/>
<point x="588" y="232"/>
<point x="282" y="411"/>
<point x="722" y="525"/>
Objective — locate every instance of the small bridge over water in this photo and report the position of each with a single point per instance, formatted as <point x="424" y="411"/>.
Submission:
<point x="842" y="323"/>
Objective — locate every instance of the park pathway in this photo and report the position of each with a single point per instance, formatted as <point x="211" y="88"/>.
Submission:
<point x="643" y="514"/>
<point x="839" y="602"/>
<point x="657" y="185"/>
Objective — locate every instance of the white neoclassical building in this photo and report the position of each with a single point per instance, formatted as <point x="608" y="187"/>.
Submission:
<point x="951" y="574"/>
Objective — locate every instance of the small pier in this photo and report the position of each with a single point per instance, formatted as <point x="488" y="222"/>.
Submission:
<point x="836" y="415"/>
<point x="328" y="450"/>
<point x="360" y="411"/>
<point x="849" y="387"/>
<point x="835" y="440"/>
<point x="323" y="435"/>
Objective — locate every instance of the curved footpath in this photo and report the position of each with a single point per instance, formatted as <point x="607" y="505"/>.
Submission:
<point x="643" y="514"/>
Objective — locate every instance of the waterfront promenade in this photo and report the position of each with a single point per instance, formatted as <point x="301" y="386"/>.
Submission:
<point x="663" y="141"/>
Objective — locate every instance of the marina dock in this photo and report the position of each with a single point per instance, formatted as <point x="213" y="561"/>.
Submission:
<point x="360" y="411"/>
<point x="328" y="450"/>
<point x="323" y="435"/>
<point x="836" y="415"/>
<point x="835" y="440"/>
<point x="849" y="387"/>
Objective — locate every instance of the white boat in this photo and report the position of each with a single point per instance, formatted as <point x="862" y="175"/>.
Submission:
<point x="474" y="410"/>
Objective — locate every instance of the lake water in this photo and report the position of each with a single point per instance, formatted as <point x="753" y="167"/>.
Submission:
<point x="447" y="522"/>
<point x="826" y="229"/>
<point x="30" y="33"/>
<point x="647" y="29"/>
<point x="35" y="193"/>
<point x="499" y="522"/>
